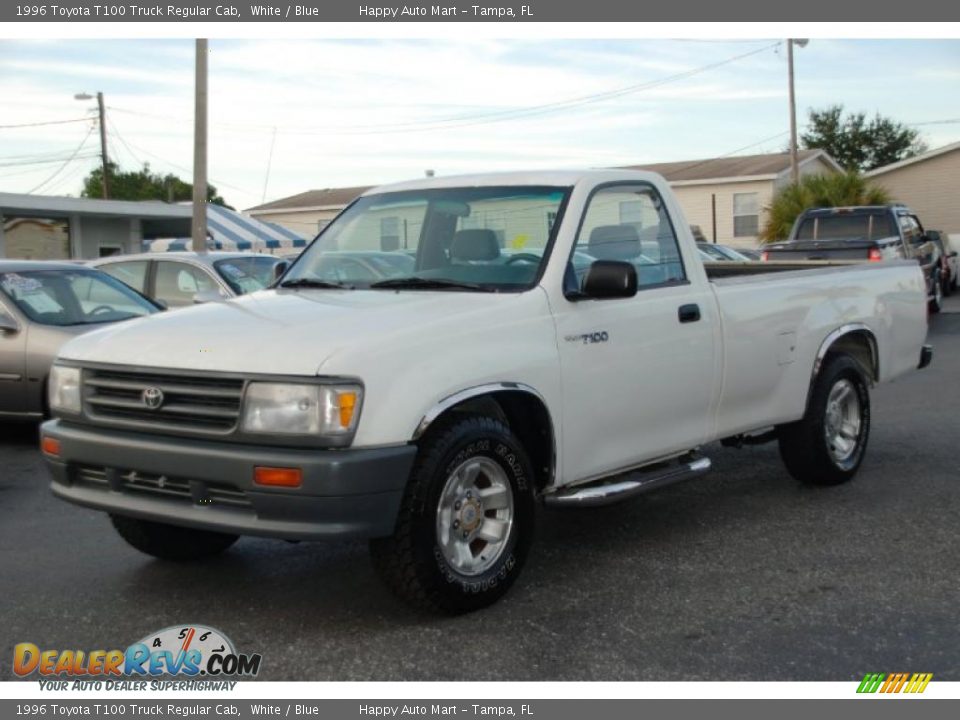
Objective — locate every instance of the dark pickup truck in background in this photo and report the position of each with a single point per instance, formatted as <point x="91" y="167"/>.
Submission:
<point x="867" y="233"/>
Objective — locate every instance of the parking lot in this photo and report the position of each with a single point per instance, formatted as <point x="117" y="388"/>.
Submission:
<point x="743" y="575"/>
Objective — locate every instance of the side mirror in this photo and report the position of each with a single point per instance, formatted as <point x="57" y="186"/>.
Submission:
<point x="207" y="296"/>
<point x="8" y="324"/>
<point x="279" y="269"/>
<point x="952" y="254"/>
<point x="610" y="279"/>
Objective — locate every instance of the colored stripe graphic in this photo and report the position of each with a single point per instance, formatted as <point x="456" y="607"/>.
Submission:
<point x="894" y="683"/>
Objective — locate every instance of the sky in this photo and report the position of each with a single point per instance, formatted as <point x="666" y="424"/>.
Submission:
<point x="289" y="115"/>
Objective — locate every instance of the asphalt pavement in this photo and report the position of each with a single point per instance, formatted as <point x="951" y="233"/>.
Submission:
<point x="741" y="575"/>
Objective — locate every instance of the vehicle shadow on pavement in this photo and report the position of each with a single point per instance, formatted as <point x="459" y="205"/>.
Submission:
<point x="24" y="434"/>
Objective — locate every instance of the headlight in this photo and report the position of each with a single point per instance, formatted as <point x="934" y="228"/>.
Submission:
<point x="282" y="409"/>
<point x="63" y="389"/>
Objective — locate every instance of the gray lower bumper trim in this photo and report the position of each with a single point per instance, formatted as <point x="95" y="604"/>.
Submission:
<point x="345" y="493"/>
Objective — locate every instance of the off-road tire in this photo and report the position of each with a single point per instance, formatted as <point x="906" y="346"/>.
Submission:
<point x="803" y="444"/>
<point x="171" y="542"/>
<point x="411" y="561"/>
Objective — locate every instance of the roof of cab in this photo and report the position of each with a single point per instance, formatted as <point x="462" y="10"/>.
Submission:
<point x="542" y="178"/>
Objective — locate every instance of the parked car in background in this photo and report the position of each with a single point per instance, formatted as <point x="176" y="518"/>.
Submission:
<point x="949" y="262"/>
<point x="177" y="279"/>
<point x="42" y="305"/>
<point x="751" y="254"/>
<point x="872" y="233"/>
<point x="722" y="253"/>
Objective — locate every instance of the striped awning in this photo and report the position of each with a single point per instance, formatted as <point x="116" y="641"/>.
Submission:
<point x="230" y="230"/>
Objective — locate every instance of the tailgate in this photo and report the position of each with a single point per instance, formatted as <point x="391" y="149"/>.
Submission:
<point x="822" y="250"/>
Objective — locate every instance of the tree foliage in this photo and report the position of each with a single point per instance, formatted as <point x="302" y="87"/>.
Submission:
<point x="144" y="185"/>
<point x="858" y="143"/>
<point x="813" y="191"/>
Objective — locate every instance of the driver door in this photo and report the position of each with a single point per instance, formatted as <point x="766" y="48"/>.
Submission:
<point x="638" y="372"/>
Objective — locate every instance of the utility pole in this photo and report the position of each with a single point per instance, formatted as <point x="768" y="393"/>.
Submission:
<point x="794" y="165"/>
<point x="103" y="146"/>
<point x="103" y="139"/>
<point x="199" y="229"/>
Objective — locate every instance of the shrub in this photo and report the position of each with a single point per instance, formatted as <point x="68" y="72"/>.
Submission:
<point x="815" y="191"/>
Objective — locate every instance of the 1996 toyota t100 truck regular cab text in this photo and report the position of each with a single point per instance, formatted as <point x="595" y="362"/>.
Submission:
<point x="447" y="353"/>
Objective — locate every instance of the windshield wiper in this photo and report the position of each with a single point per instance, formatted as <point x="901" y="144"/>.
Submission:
<point x="313" y="283"/>
<point x="416" y="283"/>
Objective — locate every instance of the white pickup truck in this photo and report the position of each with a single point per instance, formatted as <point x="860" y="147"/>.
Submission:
<point x="449" y="352"/>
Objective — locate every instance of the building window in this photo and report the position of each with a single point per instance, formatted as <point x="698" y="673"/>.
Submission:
<point x="631" y="212"/>
<point x="746" y="214"/>
<point x="551" y="219"/>
<point x="389" y="233"/>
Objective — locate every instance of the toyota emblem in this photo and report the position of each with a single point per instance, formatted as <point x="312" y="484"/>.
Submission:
<point x="152" y="397"/>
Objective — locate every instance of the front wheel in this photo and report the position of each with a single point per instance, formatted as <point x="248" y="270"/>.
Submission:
<point x="827" y="445"/>
<point x="466" y="521"/>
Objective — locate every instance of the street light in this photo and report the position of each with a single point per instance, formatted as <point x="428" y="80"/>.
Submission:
<point x="103" y="138"/>
<point x="794" y="166"/>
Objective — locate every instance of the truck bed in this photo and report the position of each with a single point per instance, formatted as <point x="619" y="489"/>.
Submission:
<point x="723" y="270"/>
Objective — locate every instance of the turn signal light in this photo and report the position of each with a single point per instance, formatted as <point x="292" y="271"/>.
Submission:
<point x="348" y="403"/>
<point x="278" y="477"/>
<point x="50" y="446"/>
<point x="764" y="256"/>
<point x="874" y="255"/>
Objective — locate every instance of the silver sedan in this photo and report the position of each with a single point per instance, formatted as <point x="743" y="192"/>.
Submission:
<point x="42" y="305"/>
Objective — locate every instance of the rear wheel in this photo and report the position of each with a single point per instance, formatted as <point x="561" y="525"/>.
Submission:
<point x="936" y="302"/>
<point x="827" y="445"/>
<point x="466" y="521"/>
<point x="170" y="542"/>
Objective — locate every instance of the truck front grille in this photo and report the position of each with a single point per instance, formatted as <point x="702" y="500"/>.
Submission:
<point x="156" y="400"/>
<point x="197" y="492"/>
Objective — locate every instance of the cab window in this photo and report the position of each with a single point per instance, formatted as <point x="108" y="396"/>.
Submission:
<point x="630" y="224"/>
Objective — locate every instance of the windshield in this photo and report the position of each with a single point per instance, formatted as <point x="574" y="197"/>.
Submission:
<point x="849" y="226"/>
<point x="247" y="274"/>
<point x="480" y="239"/>
<point x="72" y="297"/>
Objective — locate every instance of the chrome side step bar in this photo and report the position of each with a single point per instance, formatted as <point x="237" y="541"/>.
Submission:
<point x="637" y="482"/>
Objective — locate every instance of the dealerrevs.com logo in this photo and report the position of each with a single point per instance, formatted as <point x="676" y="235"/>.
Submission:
<point x="183" y="651"/>
<point x="892" y="683"/>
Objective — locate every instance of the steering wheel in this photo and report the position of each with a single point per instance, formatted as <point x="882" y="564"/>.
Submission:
<point x="523" y="257"/>
<point x="100" y="309"/>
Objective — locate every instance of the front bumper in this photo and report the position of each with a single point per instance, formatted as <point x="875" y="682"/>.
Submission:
<point x="209" y="485"/>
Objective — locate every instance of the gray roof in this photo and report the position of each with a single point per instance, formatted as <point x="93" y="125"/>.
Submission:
<point x="333" y="197"/>
<point x="727" y="167"/>
<point x="59" y="205"/>
<point x="740" y="166"/>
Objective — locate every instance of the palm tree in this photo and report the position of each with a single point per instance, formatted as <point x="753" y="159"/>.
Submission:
<point x="835" y="190"/>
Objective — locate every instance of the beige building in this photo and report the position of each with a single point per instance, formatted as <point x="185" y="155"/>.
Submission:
<point x="929" y="184"/>
<point x="726" y="197"/>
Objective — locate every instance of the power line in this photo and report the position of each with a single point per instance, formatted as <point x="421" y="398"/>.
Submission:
<point x="46" y="122"/>
<point x="116" y="134"/>
<point x="67" y="162"/>
<point x="458" y="121"/>
<point x="949" y="121"/>
<point x="168" y="163"/>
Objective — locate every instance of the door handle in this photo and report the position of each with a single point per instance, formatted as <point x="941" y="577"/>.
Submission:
<point x="689" y="313"/>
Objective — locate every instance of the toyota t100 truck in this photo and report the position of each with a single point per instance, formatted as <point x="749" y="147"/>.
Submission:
<point x="447" y="354"/>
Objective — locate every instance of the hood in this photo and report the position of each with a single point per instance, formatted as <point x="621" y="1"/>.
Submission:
<point x="285" y="332"/>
